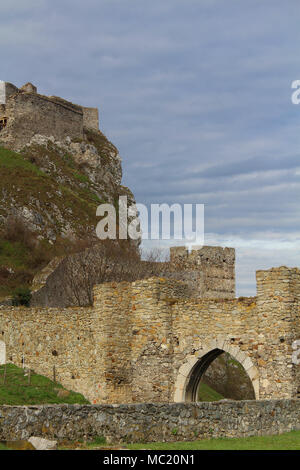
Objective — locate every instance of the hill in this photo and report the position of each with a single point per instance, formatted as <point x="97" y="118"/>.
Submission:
<point x="49" y="194"/>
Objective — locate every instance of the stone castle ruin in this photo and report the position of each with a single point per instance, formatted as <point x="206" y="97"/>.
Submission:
<point x="153" y="339"/>
<point x="209" y="272"/>
<point x="24" y="113"/>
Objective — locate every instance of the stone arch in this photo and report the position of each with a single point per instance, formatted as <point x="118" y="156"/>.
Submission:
<point x="2" y="353"/>
<point x="196" y="364"/>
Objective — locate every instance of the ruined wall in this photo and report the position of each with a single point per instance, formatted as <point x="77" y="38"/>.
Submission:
<point x="2" y="93"/>
<point x="91" y="118"/>
<point x="150" y="422"/>
<point x="29" y="114"/>
<point x="210" y="271"/>
<point x="50" y="337"/>
<point x="147" y="341"/>
<point x="112" y="334"/>
<point x="172" y="334"/>
<point x="6" y="90"/>
<point x="278" y="304"/>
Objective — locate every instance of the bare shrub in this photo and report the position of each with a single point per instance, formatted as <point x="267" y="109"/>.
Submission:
<point x="15" y="230"/>
<point x="105" y="262"/>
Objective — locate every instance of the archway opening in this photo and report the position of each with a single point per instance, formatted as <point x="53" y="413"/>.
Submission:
<point x="217" y="375"/>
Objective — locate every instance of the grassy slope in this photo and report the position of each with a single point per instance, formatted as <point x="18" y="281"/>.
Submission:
<point x="25" y="181"/>
<point x="16" y="390"/>
<point x="287" y="441"/>
<point x="206" y="393"/>
<point x="21" y="183"/>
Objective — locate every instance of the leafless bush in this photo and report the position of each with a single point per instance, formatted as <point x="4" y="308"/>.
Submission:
<point x="105" y="262"/>
<point x="15" y="230"/>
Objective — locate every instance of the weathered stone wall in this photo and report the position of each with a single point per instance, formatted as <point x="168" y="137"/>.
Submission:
<point x="151" y="422"/>
<point x="91" y="118"/>
<point x="30" y="113"/>
<point x="174" y="339"/>
<point x="6" y="90"/>
<point x="148" y="341"/>
<point x="2" y="93"/>
<point x="45" y="338"/>
<point x="2" y="352"/>
<point x="113" y="328"/>
<point x="208" y="272"/>
<point x="278" y="304"/>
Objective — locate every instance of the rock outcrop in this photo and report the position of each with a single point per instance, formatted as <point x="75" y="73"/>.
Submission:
<point x="55" y="187"/>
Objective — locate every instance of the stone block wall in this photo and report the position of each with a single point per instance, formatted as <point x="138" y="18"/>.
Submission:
<point x="278" y="308"/>
<point x="44" y="338"/>
<point x="30" y="113"/>
<point x="210" y="270"/>
<point x="150" y="422"/>
<point x="152" y="337"/>
<point x="6" y="90"/>
<point x="112" y="335"/>
<point x="2" y="93"/>
<point x="91" y="118"/>
<point x="171" y="335"/>
<point x="148" y="341"/>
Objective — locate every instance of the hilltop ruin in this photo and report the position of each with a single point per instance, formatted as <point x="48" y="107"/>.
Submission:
<point x="24" y="113"/>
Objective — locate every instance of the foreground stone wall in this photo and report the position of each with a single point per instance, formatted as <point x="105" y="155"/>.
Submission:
<point x="151" y="422"/>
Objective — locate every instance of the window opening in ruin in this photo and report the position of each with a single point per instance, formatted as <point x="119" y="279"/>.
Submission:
<point x="3" y="122"/>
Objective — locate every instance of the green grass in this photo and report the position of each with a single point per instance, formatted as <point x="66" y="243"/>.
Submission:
<point x="81" y="177"/>
<point x="206" y="393"/>
<point x="98" y="441"/>
<point x="3" y="447"/>
<point x="286" y="441"/>
<point x="17" y="391"/>
<point x="12" y="254"/>
<point x="23" y="182"/>
<point x="13" y="160"/>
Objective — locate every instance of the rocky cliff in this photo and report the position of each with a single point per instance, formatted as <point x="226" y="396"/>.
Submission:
<point x="53" y="188"/>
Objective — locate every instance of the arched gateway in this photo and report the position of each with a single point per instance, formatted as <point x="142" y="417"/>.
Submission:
<point x="191" y="372"/>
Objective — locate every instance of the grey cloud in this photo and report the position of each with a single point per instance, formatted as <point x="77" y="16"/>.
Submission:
<point x="196" y="96"/>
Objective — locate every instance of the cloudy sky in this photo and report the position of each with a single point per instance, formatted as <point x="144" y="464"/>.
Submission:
<point x="196" y="94"/>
